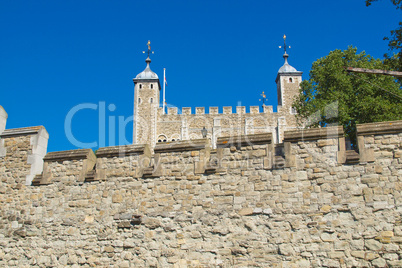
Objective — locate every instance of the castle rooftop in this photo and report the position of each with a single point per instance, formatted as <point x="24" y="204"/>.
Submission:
<point x="286" y="67"/>
<point x="147" y="73"/>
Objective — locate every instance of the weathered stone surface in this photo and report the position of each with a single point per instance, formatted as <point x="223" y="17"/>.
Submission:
<point x="373" y="244"/>
<point x="246" y="211"/>
<point x="316" y="213"/>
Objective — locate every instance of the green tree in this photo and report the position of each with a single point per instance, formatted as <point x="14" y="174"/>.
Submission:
<point x="393" y="59"/>
<point x="332" y="95"/>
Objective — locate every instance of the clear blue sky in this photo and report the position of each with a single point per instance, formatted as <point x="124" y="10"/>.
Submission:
<point x="56" y="54"/>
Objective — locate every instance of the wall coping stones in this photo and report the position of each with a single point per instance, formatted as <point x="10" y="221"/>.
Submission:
<point x="313" y="134"/>
<point x="244" y="140"/>
<point x="69" y="155"/>
<point x="87" y="155"/>
<point x="379" y="128"/>
<point x="141" y="151"/>
<point x="14" y="132"/>
<point x="124" y="150"/>
<point x="179" y="146"/>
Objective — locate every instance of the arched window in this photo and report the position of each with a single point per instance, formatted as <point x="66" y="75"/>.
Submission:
<point x="175" y="137"/>
<point x="140" y="86"/>
<point x="152" y="86"/>
<point x="195" y="136"/>
<point x="290" y="80"/>
<point x="162" y="138"/>
<point x="151" y="100"/>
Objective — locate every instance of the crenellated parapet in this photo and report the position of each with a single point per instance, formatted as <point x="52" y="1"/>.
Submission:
<point x="187" y="123"/>
<point x="181" y="158"/>
<point x="215" y="110"/>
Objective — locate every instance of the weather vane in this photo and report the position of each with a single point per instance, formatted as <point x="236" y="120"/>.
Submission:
<point x="284" y="43"/>
<point x="149" y="48"/>
<point x="264" y="98"/>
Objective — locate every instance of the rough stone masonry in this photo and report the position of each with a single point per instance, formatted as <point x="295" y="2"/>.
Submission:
<point x="248" y="203"/>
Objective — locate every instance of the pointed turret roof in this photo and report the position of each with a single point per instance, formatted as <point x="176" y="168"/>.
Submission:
<point x="147" y="73"/>
<point x="286" y="67"/>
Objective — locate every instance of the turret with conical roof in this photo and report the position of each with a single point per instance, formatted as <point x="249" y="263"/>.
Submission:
<point x="287" y="80"/>
<point x="286" y="67"/>
<point x="146" y="102"/>
<point x="147" y="73"/>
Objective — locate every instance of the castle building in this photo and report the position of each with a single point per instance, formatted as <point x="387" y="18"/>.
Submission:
<point x="152" y="125"/>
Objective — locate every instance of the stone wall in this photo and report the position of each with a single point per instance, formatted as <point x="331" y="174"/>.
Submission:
<point x="248" y="203"/>
<point x="188" y="125"/>
<point x="21" y="153"/>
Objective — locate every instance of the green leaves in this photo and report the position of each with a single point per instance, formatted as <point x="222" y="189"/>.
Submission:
<point x="332" y="95"/>
<point x="394" y="58"/>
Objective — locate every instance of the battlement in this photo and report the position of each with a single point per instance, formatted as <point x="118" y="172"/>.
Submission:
<point x="275" y="155"/>
<point x="326" y="143"/>
<point x="215" y="110"/>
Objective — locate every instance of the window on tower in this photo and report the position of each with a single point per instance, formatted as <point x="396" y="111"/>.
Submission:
<point x="152" y="86"/>
<point x="151" y="100"/>
<point x="162" y="138"/>
<point x="140" y="86"/>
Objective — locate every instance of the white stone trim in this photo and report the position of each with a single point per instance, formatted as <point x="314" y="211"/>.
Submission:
<point x="35" y="159"/>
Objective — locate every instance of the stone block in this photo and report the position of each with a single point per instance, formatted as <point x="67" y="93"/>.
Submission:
<point x="379" y="262"/>
<point x="108" y="249"/>
<point x="336" y="255"/>
<point x="227" y="110"/>
<point x="186" y="111"/>
<point x="267" y="109"/>
<point x="199" y="110"/>
<point x="286" y="249"/>
<point x="327" y="237"/>
<point x="117" y="198"/>
<point x="385" y="236"/>
<point x="240" y="109"/>
<point x="322" y="143"/>
<point x="326" y="209"/>
<point x="246" y="211"/>
<point x="254" y="109"/>
<point x="372" y="244"/>
<point x="213" y="110"/>
<point x="172" y="110"/>
<point x="395" y="264"/>
<point x="379" y="128"/>
<point x="358" y="254"/>
<point x="313" y="134"/>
